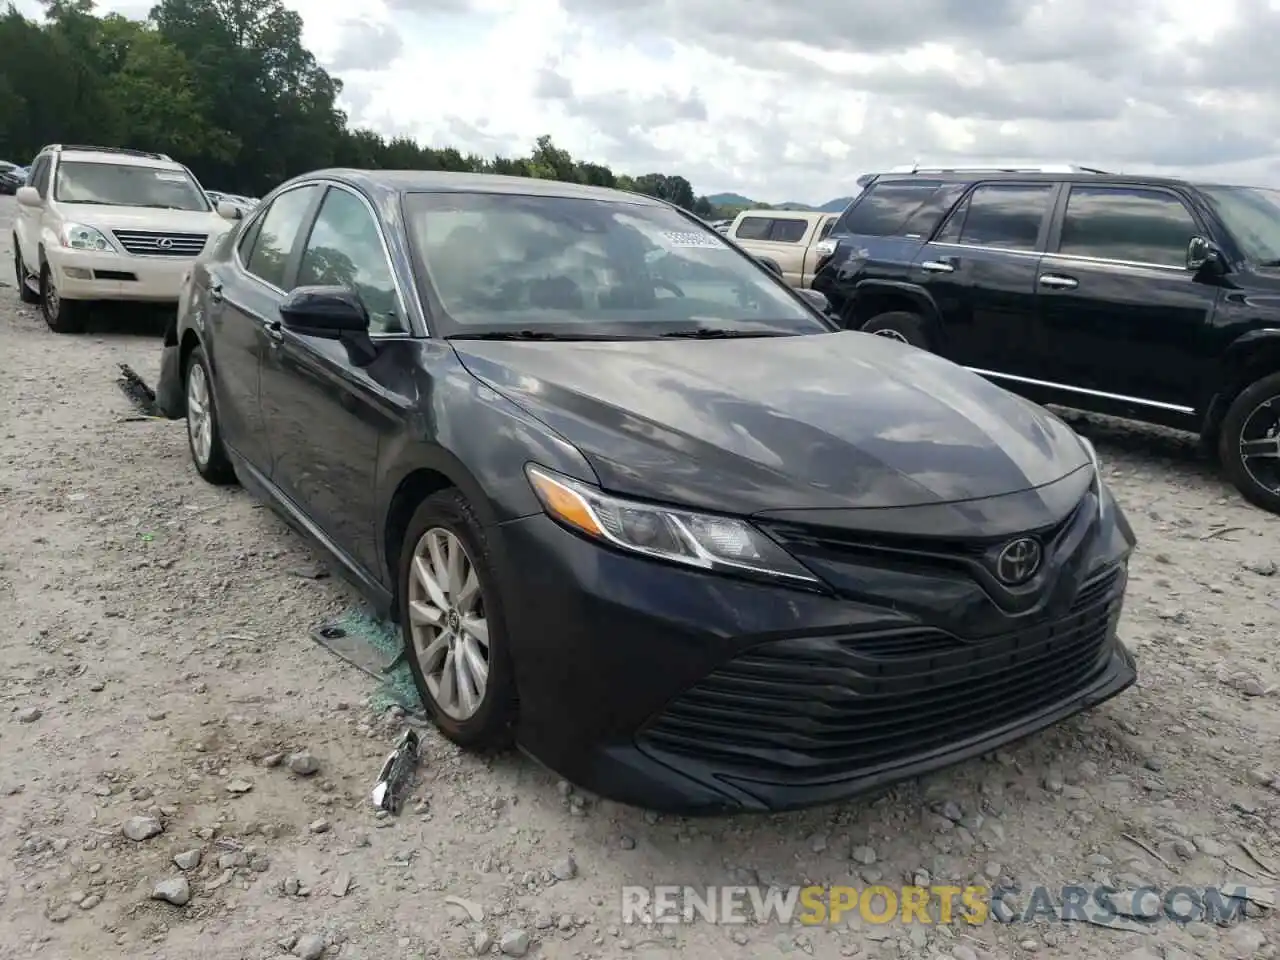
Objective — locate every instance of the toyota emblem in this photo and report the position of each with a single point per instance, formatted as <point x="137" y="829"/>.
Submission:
<point x="1018" y="561"/>
<point x="165" y="243"/>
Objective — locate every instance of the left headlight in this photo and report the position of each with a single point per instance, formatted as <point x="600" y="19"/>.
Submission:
<point x="705" y="541"/>
<point x="77" y="236"/>
<point x="1098" y="490"/>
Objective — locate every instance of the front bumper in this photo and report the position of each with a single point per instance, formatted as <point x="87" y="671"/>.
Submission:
<point x="91" y="275"/>
<point x="674" y="690"/>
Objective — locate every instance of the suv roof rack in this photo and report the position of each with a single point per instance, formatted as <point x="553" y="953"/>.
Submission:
<point x="995" y="168"/>
<point x="124" y="151"/>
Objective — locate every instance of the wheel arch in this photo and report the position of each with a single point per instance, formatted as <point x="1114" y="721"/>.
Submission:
<point x="426" y="471"/>
<point x="874" y="297"/>
<point x="1248" y="358"/>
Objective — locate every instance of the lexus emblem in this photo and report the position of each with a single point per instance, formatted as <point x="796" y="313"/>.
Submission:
<point x="1018" y="561"/>
<point x="165" y="243"/>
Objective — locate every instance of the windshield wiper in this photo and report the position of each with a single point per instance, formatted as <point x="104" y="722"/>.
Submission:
<point x="722" y="333"/>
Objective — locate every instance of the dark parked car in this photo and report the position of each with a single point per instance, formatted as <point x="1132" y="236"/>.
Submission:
<point x="1147" y="298"/>
<point x="635" y="502"/>
<point x="12" y="177"/>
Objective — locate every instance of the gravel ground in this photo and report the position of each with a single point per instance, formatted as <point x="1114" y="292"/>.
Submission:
<point x="156" y="656"/>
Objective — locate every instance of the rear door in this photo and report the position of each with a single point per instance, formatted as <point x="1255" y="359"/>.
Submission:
<point x="980" y="269"/>
<point x="1119" y="312"/>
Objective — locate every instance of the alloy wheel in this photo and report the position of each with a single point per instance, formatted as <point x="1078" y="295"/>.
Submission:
<point x="199" y="414"/>
<point x="52" y="302"/>
<point x="1260" y="444"/>
<point x="447" y="623"/>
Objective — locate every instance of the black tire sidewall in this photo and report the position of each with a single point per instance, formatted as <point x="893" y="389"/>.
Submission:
<point x="492" y="725"/>
<point x="20" y="274"/>
<point x="910" y="325"/>
<point x="1233" y="423"/>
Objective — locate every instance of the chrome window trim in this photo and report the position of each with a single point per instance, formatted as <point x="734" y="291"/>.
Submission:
<point x="1017" y="251"/>
<point x="1060" y="256"/>
<point x="382" y="240"/>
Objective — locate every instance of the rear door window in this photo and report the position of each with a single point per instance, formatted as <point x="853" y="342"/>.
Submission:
<point x="754" y="228"/>
<point x="886" y="206"/>
<point x="274" y="244"/>
<point x="788" y="230"/>
<point x="1007" y="216"/>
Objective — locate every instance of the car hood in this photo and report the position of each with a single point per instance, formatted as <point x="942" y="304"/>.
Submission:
<point x="144" y="218"/>
<point x="827" y="421"/>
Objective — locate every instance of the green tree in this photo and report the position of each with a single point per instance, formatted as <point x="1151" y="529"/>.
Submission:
<point x="228" y="88"/>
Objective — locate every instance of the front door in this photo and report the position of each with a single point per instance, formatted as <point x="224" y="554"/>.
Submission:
<point x="242" y="304"/>
<point x="28" y="221"/>
<point x="1119" y="312"/>
<point x="325" y="414"/>
<point x="980" y="270"/>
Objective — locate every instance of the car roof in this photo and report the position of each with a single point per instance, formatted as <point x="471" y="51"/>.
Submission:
<point x="118" y="159"/>
<point x="974" y="176"/>
<point x="443" y="181"/>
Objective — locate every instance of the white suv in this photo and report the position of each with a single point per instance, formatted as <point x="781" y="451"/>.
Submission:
<point x="96" y="223"/>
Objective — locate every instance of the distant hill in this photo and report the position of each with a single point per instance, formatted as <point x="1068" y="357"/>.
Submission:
<point x="738" y="201"/>
<point x="731" y="200"/>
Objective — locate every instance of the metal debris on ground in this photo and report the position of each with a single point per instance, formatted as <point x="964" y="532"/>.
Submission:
<point x="139" y="394"/>
<point x="396" y="776"/>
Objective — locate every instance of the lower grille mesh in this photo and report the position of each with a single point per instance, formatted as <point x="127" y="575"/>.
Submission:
<point x="822" y="707"/>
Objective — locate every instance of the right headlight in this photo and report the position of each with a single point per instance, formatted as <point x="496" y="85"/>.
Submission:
<point x="77" y="236"/>
<point x="705" y="541"/>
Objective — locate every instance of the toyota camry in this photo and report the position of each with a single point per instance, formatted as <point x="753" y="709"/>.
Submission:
<point x="638" y="506"/>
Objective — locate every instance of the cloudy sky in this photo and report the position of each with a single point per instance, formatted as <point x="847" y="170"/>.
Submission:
<point x="783" y="101"/>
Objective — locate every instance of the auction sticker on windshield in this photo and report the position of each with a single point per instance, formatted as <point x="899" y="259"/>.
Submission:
<point x="697" y="240"/>
<point x="171" y="177"/>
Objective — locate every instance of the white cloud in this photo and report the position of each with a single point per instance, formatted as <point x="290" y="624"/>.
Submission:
<point x="781" y="102"/>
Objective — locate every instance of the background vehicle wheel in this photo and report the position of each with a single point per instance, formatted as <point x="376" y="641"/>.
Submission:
<point x="1249" y="446"/>
<point x="203" y="434"/>
<point x="62" y="316"/>
<point x="454" y="627"/>
<point x="25" y="293"/>
<point x="900" y="325"/>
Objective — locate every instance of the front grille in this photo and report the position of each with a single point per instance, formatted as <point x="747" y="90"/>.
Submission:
<point x="149" y="243"/>
<point x="818" y="708"/>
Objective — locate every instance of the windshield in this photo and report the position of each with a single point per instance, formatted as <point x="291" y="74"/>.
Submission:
<point x="572" y="266"/>
<point x="1252" y="217"/>
<point x="126" y="185"/>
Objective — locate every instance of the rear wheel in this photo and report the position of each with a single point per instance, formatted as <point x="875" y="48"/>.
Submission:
<point x="454" y="626"/>
<point x="900" y="325"/>
<point x="1249" y="444"/>
<point x="62" y="316"/>
<point x="204" y="434"/>
<point x="25" y="292"/>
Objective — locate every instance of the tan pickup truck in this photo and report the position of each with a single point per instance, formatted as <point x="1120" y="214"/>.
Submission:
<point x="794" y="241"/>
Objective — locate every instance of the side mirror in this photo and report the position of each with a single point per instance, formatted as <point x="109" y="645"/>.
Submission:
<point x="770" y="266"/>
<point x="229" y="211"/>
<point x="29" y="197"/>
<point x="1201" y="251"/>
<point x="815" y="299"/>
<point x="331" y="313"/>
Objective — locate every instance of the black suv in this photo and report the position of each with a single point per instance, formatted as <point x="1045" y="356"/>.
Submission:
<point x="1147" y="298"/>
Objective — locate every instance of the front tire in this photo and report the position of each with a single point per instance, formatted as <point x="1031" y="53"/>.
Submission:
<point x="1249" y="444"/>
<point x="62" y="316"/>
<point x="25" y="293"/>
<point x="454" y="626"/>
<point x="204" y="433"/>
<point x="900" y="325"/>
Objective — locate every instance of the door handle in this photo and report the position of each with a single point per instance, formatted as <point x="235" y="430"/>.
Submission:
<point x="274" y="330"/>
<point x="215" y="292"/>
<point x="938" y="266"/>
<point x="1057" y="282"/>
